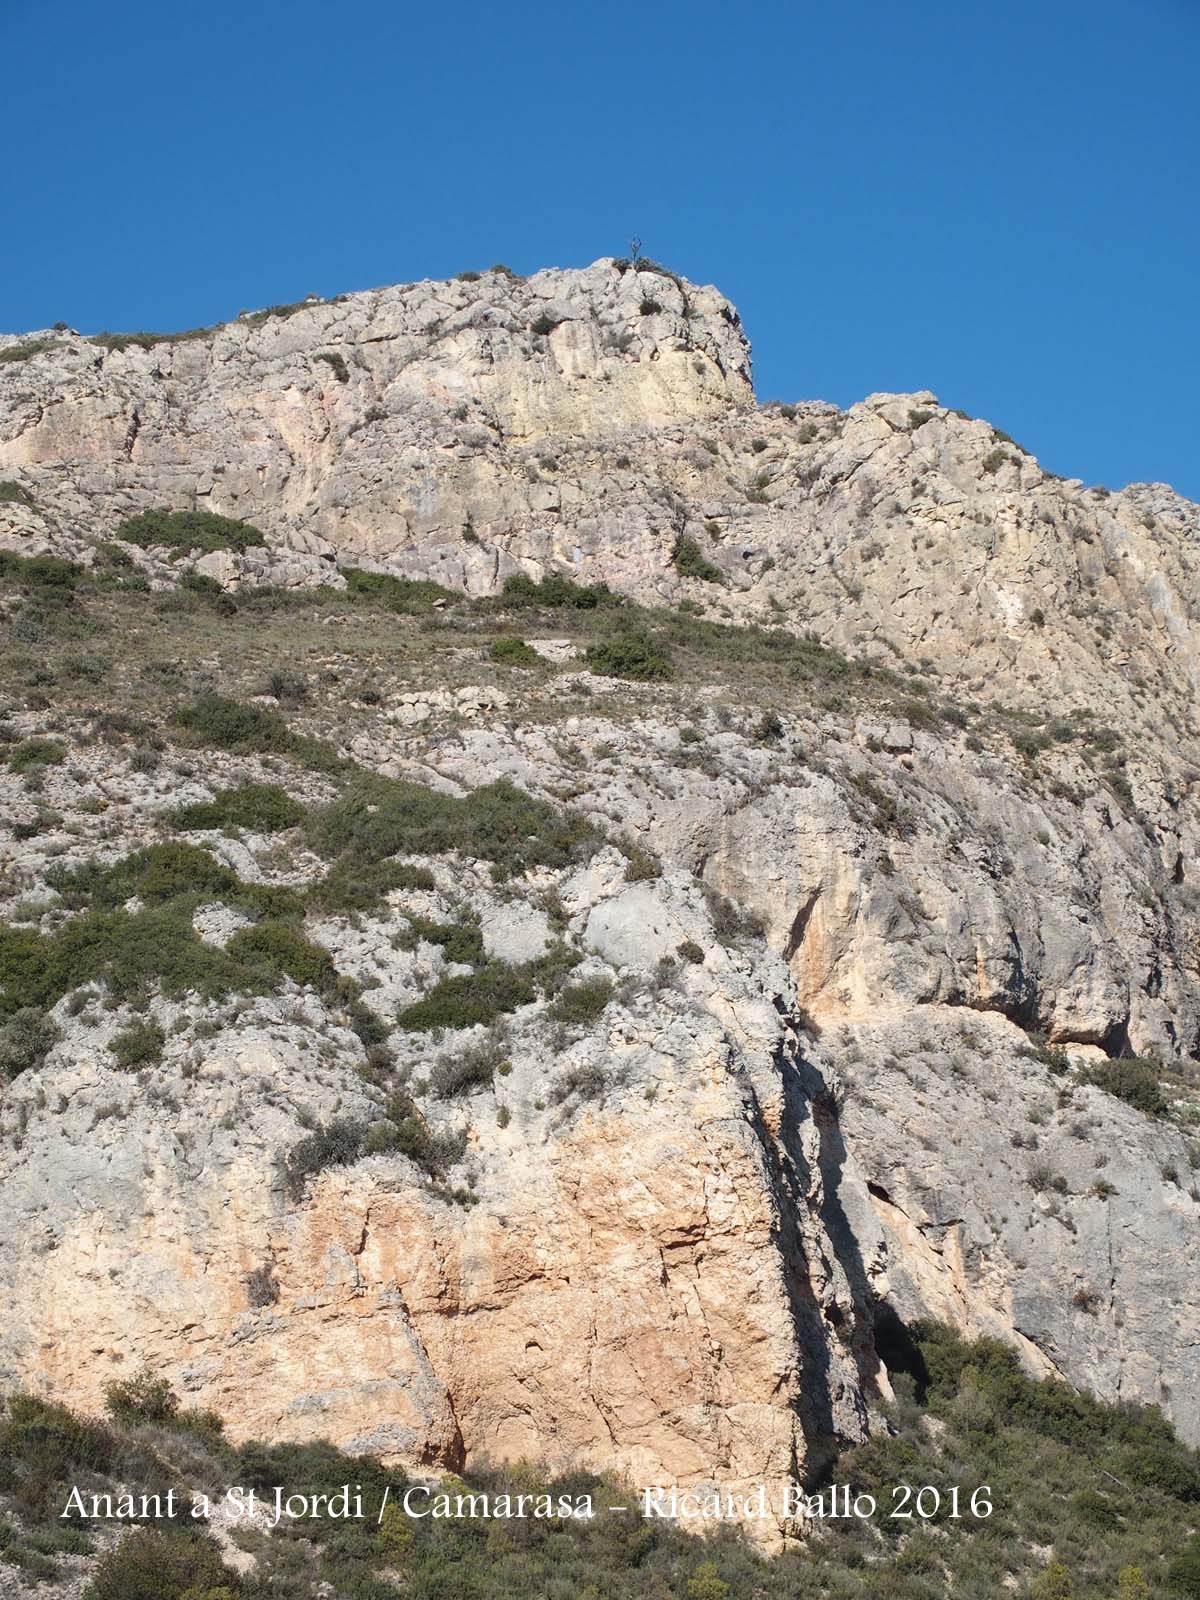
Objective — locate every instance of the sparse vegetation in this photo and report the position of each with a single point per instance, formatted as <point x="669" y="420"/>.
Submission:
<point x="1132" y="1080"/>
<point x="630" y="653"/>
<point x="25" y="350"/>
<point x="408" y="597"/>
<point x="139" y="1045"/>
<point x="494" y="990"/>
<point x="1087" y="1499"/>
<point x="260" y="807"/>
<point x="26" y="1039"/>
<point x="690" y="562"/>
<point x="556" y="593"/>
<point x="513" y="652"/>
<point x="378" y="818"/>
<point x="182" y="531"/>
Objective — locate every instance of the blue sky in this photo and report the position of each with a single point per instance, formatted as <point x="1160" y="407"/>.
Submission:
<point x="997" y="203"/>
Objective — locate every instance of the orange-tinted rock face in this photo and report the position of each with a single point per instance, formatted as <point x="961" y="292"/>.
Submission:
<point x="639" y="1288"/>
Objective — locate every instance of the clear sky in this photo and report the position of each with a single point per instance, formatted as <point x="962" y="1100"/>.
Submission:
<point x="998" y="203"/>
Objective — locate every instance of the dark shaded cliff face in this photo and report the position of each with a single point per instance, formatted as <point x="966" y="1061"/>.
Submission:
<point x="615" y="1134"/>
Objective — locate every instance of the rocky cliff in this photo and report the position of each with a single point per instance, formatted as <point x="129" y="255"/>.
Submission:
<point x="930" y="727"/>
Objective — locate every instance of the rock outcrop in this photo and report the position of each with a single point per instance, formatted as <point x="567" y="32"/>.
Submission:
<point x="663" y="1245"/>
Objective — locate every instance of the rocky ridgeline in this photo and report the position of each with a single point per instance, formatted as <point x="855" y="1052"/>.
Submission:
<point x="653" y="1229"/>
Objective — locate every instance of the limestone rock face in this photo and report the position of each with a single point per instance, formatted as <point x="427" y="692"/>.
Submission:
<point x="385" y="425"/>
<point x="640" y="1277"/>
<point x="668" y="1235"/>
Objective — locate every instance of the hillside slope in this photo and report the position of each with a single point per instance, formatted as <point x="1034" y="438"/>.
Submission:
<point x="844" y="958"/>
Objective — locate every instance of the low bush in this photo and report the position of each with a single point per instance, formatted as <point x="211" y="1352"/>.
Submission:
<point x="277" y="950"/>
<point x="26" y="1039"/>
<point x="410" y="1136"/>
<point x="586" y="1082"/>
<point x="143" y="1398"/>
<point x="459" y="941"/>
<point x="259" y="807"/>
<point x="410" y="597"/>
<point x="32" y="754"/>
<point x="690" y="562"/>
<point x="580" y="1004"/>
<point x="452" y="1076"/>
<point x="14" y="494"/>
<point x="463" y="1002"/>
<point x="512" y="652"/>
<point x="25" y="350"/>
<point x="235" y="726"/>
<point x="556" y="593"/>
<point x="139" y="1045"/>
<point x="377" y="818"/>
<point x="352" y="884"/>
<point x="630" y="654"/>
<point x="135" y="953"/>
<point x="337" y="1144"/>
<point x="223" y="724"/>
<point x="189" y="530"/>
<point x="730" y="923"/>
<point x="163" y="1564"/>
<point x="1133" y="1080"/>
<point x="156" y="875"/>
<point x="51" y="579"/>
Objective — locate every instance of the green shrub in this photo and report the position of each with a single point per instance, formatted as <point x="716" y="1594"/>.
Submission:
<point x="580" y="1004"/>
<point x="242" y="729"/>
<point x="355" y="885"/>
<point x="189" y="530"/>
<point x="512" y="652"/>
<point x="143" y="1398"/>
<point x="1184" y="1571"/>
<point x="452" y="1076"/>
<point x="139" y="1045"/>
<point x="280" y="951"/>
<point x="51" y="579"/>
<point x="690" y="951"/>
<point x="156" y="875"/>
<point x="730" y="923"/>
<point x="260" y="807"/>
<point x="31" y="754"/>
<point x="338" y="1144"/>
<point x="132" y="953"/>
<point x="377" y="818"/>
<point x="405" y="596"/>
<point x="690" y="562"/>
<point x="26" y="1039"/>
<point x="155" y="1564"/>
<point x="14" y="494"/>
<point x="460" y="941"/>
<point x="464" y="1002"/>
<point x="630" y="654"/>
<point x="917" y="418"/>
<point x="409" y="1135"/>
<point x="556" y="593"/>
<point x="1133" y="1080"/>
<point x="235" y="726"/>
<point x="26" y="349"/>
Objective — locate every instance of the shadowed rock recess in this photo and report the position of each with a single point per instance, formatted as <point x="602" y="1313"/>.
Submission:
<point x="589" y="895"/>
